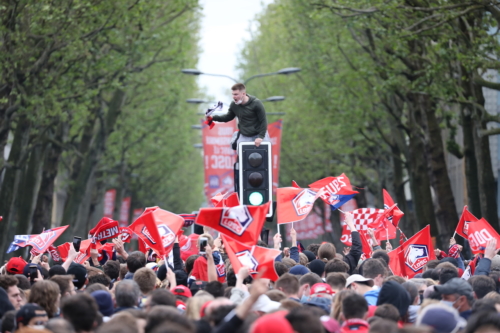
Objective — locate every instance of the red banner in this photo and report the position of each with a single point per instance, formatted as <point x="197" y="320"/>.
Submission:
<point x="274" y="130"/>
<point x="109" y="203"/>
<point x="124" y="212"/>
<point x="219" y="158"/>
<point x="312" y="226"/>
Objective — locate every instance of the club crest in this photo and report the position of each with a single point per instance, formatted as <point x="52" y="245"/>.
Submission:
<point x="304" y="201"/>
<point x="167" y="235"/>
<point x="236" y="219"/>
<point x="146" y="233"/>
<point x="247" y="259"/>
<point x="42" y="240"/>
<point x="416" y="256"/>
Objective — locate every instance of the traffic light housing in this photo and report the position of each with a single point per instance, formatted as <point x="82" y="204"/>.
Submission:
<point x="255" y="174"/>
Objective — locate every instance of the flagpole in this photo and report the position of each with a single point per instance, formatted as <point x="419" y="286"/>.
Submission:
<point x="251" y="251"/>
<point x="454" y="234"/>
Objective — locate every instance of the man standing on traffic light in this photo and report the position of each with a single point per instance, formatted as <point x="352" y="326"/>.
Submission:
<point x="251" y="116"/>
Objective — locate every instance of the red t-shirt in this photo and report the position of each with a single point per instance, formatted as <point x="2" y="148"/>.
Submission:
<point x="355" y="325"/>
<point x="200" y="270"/>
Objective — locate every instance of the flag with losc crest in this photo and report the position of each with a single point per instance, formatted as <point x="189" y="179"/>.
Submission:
<point x="241" y="223"/>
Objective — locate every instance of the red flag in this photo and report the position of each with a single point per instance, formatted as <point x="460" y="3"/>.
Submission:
<point x="42" y="241"/>
<point x="471" y="268"/>
<point x="395" y="214"/>
<point x="105" y="229"/>
<point x="294" y="184"/>
<point x="217" y="199"/>
<point x="402" y="237"/>
<point x="363" y="217"/>
<point x="335" y="191"/>
<point x="465" y="221"/>
<point x="410" y="258"/>
<point x="226" y="200"/>
<point x="294" y="204"/>
<point x="126" y="234"/>
<point x="242" y="223"/>
<point x="188" y="246"/>
<point x="255" y="257"/>
<point x="367" y="250"/>
<point x="157" y="228"/>
<point x="480" y="232"/>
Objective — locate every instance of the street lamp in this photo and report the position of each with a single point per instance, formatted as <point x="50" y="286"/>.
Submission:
<point x="283" y="71"/>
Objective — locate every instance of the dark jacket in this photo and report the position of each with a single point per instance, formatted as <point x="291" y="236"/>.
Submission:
<point x="251" y="116"/>
<point x="352" y="258"/>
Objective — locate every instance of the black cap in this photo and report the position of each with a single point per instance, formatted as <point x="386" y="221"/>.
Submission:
<point x="28" y="312"/>
<point x="80" y="274"/>
<point x="197" y="286"/>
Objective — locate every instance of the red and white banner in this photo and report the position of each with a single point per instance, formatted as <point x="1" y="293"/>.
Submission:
<point x="109" y="203"/>
<point x="124" y="211"/>
<point x="274" y="130"/>
<point x="219" y="158"/>
<point x="349" y="206"/>
<point x="312" y="226"/>
<point x="465" y="220"/>
<point x="479" y="233"/>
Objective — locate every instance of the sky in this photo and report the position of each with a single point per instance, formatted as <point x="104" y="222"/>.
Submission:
<point x="225" y="27"/>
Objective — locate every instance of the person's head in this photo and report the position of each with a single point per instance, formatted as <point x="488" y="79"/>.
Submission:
<point x="8" y="322"/>
<point x="394" y="293"/>
<point x="387" y="311"/>
<point x="359" y="284"/>
<point x="484" y="322"/>
<point x="57" y="270"/>
<point x="395" y="278"/>
<point x="9" y="283"/>
<point x="15" y="265"/>
<point x="446" y="271"/>
<point x="22" y="282"/>
<point x="289" y="284"/>
<point x="482" y="285"/>
<point x="181" y="277"/>
<point x="289" y="262"/>
<point x="442" y="318"/>
<point x="337" y="281"/>
<point x="304" y="320"/>
<point x="375" y="270"/>
<point x="354" y="306"/>
<point x="135" y="261"/>
<point x="95" y="287"/>
<point x="194" y="304"/>
<point x="485" y="304"/>
<point x="65" y="283"/>
<point x="381" y="255"/>
<point x="306" y="282"/>
<point x="336" y="266"/>
<point x="80" y="275"/>
<point x="123" y="271"/>
<point x="160" y="297"/>
<point x="276" y="295"/>
<point x="280" y="268"/>
<point x="412" y="290"/>
<point x="99" y="278"/>
<point x="317" y="266"/>
<point x="313" y="248"/>
<point x="166" y="316"/>
<point x="80" y="310"/>
<point x="190" y="262"/>
<point x="458" y="293"/>
<point x="303" y="260"/>
<point x="31" y="315"/>
<point x="46" y="294"/>
<point x="112" y="269"/>
<point x="104" y="302"/>
<point x="238" y="92"/>
<point x="326" y="251"/>
<point x="336" y="311"/>
<point x="146" y="279"/>
<point x="59" y="325"/>
<point x="381" y="325"/>
<point x="127" y="294"/>
<point x="215" y="288"/>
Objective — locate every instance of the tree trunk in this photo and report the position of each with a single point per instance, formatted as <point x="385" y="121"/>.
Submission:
<point x="11" y="183"/>
<point x="471" y="174"/>
<point x="446" y="211"/>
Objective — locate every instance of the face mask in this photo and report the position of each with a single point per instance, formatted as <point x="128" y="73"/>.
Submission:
<point x="449" y="303"/>
<point x="38" y="327"/>
<point x="304" y="299"/>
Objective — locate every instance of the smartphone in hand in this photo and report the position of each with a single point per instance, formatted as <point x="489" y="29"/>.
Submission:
<point x="76" y="243"/>
<point x="202" y="242"/>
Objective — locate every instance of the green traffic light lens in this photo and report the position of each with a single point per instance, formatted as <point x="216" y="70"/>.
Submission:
<point x="256" y="198"/>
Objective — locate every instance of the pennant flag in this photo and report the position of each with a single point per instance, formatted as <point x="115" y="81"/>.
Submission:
<point x="294" y="184"/>
<point x="409" y="259"/>
<point x="42" y="241"/>
<point x="158" y="229"/>
<point x="395" y="214"/>
<point x="19" y="242"/>
<point x="188" y="245"/>
<point x="465" y="221"/>
<point x="294" y="204"/>
<point x="480" y="232"/>
<point x="241" y="223"/>
<point x="367" y="249"/>
<point x="255" y="257"/>
<point x="334" y="191"/>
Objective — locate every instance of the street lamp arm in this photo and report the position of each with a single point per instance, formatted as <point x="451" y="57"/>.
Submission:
<point x="259" y="75"/>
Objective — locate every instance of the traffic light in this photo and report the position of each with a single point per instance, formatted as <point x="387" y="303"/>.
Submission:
<point x="255" y="174"/>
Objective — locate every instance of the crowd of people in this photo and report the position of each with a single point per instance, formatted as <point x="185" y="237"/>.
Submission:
<point x="318" y="290"/>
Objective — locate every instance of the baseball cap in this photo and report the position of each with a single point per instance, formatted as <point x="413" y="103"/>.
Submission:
<point x="455" y="286"/>
<point x="321" y="288"/>
<point x="181" y="291"/>
<point x="298" y="270"/>
<point x="197" y="286"/>
<point x="28" y="312"/>
<point x="265" y="304"/>
<point x="358" y="278"/>
<point x="444" y="319"/>
<point x="16" y="265"/>
<point x="104" y="302"/>
<point x="80" y="274"/>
